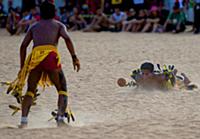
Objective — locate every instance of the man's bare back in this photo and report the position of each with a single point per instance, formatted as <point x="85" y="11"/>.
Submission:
<point x="50" y="31"/>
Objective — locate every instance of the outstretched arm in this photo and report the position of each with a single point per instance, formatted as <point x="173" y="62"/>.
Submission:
<point x="70" y="46"/>
<point x="24" y="46"/>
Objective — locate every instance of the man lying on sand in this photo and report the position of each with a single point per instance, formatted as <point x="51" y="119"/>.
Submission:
<point x="165" y="79"/>
<point x="43" y="64"/>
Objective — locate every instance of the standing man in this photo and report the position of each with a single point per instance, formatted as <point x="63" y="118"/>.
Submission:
<point x="44" y="61"/>
<point x="197" y="16"/>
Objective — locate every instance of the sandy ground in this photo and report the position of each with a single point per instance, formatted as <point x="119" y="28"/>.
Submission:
<point x="102" y="109"/>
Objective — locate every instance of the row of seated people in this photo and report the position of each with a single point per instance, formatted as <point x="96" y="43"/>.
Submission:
<point x="153" y="20"/>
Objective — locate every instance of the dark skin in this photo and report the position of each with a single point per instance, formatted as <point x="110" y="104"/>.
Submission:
<point x="47" y="32"/>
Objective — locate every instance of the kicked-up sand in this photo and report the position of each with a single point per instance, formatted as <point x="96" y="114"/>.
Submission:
<point x="102" y="109"/>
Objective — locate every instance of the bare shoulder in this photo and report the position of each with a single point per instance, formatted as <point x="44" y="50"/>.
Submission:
<point x="60" y="24"/>
<point x="62" y="28"/>
<point x="34" y="25"/>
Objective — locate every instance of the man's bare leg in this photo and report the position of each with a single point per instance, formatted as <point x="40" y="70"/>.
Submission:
<point x="138" y="27"/>
<point x="146" y="27"/>
<point x="134" y="26"/>
<point x="186" y="79"/>
<point x="129" y="26"/>
<point x="58" y="79"/>
<point x="155" y="27"/>
<point x="124" y="26"/>
<point x="33" y="80"/>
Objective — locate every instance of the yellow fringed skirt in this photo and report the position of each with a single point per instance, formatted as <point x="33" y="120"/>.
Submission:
<point x="45" y="57"/>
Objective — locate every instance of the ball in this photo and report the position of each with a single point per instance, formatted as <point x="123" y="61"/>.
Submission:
<point x="121" y="82"/>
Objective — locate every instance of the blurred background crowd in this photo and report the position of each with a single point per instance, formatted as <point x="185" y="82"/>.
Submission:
<point x="106" y="15"/>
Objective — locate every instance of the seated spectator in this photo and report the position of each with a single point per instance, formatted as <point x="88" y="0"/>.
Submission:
<point x="117" y="18"/>
<point x="126" y="25"/>
<point x="152" y="21"/>
<point x="23" y="23"/>
<point x="175" y="21"/>
<point x="28" y="19"/>
<point x="85" y="13"/>
<point x="100" y="22"/>
<point x="140" y="21"/>
<point x="77" y="21"/>
<point x="12" y="21"/>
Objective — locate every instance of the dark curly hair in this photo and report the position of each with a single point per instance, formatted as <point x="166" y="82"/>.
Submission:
<point x="47" y="10"/>
<point x="147" y="66"/>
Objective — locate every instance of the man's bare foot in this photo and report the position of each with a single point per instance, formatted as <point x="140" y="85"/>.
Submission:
<point x="61" y="123"/>
<point x="23" y="125"/>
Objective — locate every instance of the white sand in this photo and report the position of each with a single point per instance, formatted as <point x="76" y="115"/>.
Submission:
<point x="102" y="109"/>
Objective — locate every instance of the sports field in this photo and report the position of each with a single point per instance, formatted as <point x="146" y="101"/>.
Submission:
<point x="102" y="109"/>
